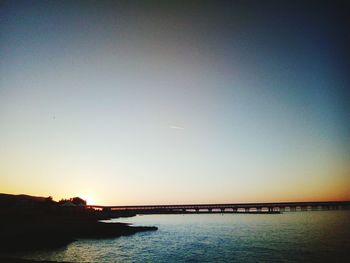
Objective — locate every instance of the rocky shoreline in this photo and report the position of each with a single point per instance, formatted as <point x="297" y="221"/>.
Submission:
<point x="44" y="225"/>
<point x="53" y="233"/>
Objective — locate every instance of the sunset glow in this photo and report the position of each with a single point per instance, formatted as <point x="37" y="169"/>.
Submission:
<point x="122" y="104"/>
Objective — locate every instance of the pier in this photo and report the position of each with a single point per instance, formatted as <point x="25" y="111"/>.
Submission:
<point x="253" y="208"/>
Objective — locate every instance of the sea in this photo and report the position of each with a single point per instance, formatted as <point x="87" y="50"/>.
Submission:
<point x="309" y="236"/>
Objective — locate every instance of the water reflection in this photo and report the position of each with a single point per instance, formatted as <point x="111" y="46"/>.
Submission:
<point x="315" y="236"/>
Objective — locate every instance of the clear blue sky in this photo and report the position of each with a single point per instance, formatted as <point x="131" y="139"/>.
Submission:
<point x="194" y="102"/>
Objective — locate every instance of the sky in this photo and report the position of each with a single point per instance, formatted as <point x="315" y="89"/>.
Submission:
<point x="173" y="102"/>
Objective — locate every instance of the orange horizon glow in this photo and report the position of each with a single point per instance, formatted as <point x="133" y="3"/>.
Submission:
<point x="172" y="108"/>
<point x="94" y="200"/>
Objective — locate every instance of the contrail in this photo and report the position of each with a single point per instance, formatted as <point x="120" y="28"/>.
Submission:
<point x="177" y="127"/>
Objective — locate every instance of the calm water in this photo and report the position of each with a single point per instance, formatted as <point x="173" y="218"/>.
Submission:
<point x="322" y="236"/>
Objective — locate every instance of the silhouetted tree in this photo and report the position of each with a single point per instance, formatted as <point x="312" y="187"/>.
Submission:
<point x="78" y="201"/>
<point x="73" y="200"/>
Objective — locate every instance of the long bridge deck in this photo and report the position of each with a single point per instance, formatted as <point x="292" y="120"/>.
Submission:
<point x="228" y="208"/>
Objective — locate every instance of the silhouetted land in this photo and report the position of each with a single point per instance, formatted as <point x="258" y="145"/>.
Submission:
<point x="34" y="223"/>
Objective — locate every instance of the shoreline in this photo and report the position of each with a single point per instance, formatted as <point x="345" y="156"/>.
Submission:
<point x="55" y="233"/>
<point x="29" y="224"/>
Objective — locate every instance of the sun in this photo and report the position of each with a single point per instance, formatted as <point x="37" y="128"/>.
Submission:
<point x="90" y="199"/>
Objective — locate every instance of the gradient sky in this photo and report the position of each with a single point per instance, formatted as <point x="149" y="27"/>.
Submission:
<point x="154" y="102"/>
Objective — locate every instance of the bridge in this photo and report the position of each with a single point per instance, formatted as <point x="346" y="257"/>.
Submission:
<point x="276" y="207"/>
